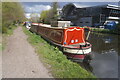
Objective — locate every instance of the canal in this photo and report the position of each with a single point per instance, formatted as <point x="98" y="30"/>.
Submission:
<point x="105" y="50"/>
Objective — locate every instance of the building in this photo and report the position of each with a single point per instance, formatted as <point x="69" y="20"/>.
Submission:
<point x="59" y="12"/>
<point x="91" y="16"/>
<point x="119" y="3"/>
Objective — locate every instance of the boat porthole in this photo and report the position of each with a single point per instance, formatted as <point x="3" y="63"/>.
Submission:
<point x="72" y="41"/>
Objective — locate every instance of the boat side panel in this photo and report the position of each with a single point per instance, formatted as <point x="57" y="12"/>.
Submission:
<point x="56" y="35"/>
<point x="34" y="28"/>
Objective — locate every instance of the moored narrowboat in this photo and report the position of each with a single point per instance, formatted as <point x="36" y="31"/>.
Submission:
<point x="70" y="39"/>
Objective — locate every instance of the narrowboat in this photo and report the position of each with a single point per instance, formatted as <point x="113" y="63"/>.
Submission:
<point x="70" y="39"/>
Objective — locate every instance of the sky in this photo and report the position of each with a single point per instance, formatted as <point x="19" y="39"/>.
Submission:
<point x="38" y="7"/>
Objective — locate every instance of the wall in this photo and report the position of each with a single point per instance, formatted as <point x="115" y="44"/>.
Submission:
<point x="85" y="21"/>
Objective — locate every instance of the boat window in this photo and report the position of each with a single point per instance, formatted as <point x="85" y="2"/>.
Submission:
<point x="72" y="41"/>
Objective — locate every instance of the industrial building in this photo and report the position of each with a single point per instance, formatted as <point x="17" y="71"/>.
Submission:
<point x="91" y="16"/>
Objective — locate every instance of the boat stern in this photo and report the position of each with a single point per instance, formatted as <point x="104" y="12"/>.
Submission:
<point x="78" y="51"/>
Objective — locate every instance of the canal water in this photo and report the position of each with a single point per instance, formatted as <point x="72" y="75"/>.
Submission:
<point x="105" y="50"/>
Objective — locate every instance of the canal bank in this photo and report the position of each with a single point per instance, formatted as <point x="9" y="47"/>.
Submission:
<point x="105" y="31"/>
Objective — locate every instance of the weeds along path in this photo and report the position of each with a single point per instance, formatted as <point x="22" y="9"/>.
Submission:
<point x="19" y="59"/>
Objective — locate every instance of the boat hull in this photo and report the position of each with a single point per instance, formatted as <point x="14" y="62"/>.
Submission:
<point x="78" y="53"/>
<point x="77" y="57"/>
<point x="70" y="40"/>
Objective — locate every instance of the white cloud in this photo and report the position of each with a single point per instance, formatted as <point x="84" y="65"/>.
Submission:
<point x="27" y="15"/>
<point x="37" y="8"/>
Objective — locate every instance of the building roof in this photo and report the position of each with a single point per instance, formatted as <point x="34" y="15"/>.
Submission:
<point x="79" y="6"/>
<point x="113" y="6"/>
<point x="85" y="6"/>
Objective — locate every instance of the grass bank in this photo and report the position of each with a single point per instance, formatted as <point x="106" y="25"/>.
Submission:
<point x="8" y="33"/>
<point x="99" y="30"/>
<point x="59" y="65"/>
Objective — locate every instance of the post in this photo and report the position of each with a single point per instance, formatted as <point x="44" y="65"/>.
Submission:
<point x="88" y="35"/>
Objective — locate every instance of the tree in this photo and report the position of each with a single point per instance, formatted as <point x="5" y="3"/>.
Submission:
<point x="11" y="13"/>
<point x="0" y="17"/>
<point x="34" y="17"/>
<point x="44" y="16"/>
<point x="53" y="13"/>
<point x="50" y="15"/>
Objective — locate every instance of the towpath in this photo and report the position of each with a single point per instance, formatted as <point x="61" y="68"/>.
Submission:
<point x="19" y="59"/>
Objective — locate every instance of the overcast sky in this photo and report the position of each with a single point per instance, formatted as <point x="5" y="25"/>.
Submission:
<point x="38" y="7"/>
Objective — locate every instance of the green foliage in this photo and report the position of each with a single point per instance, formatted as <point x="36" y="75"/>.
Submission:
<point x="34" y="17"/>
<point x="4" y="30"/>
<point x="9" y="31"/>
<point x="0" y="17"/>
<point x="118" y="26"/>
<point x="5" y="35"/>
<point x="12" y="12"/>
<point x="60" y="66"/>
<point x="45" y="16"/>
<point x="115" y="31"/>
<point x="50" y="15"/>
<point x="54" y="11"/>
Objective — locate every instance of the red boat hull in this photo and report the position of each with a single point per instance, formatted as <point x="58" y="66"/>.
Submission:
<point x="70" y="39"/>
<point x="75" y="56"/>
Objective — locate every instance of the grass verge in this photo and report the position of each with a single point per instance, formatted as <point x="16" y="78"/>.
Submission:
<point x="115" y="31"/>
<point x="5" y="35"/>
<point x="60" y="66"/>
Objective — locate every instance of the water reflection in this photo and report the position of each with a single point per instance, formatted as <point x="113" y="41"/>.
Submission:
<point x="104" y="43"/>
<point x="105" y="50"/>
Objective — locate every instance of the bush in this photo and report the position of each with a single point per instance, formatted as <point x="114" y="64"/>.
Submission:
<point x="114" y="31"/>
<point x="4" y="30"/>
<point x="12" y="12"/>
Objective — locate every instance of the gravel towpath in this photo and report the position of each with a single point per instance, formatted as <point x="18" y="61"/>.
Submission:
<point x="19" y="59"/>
